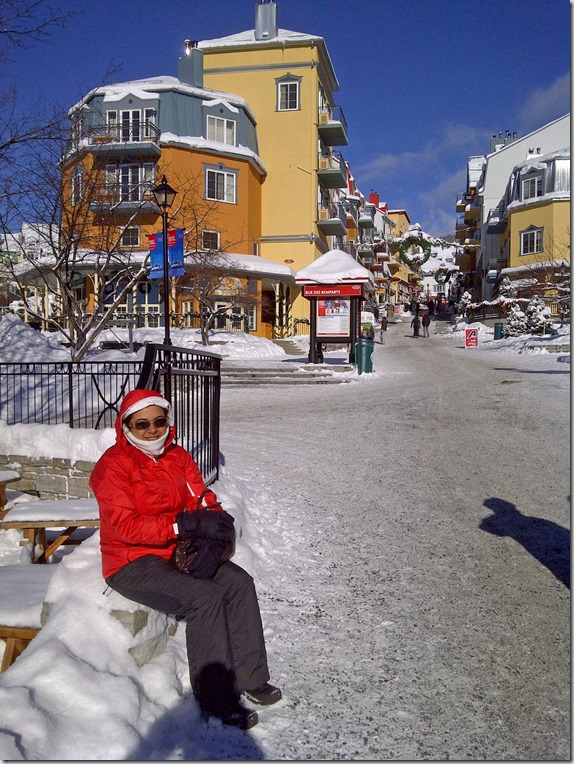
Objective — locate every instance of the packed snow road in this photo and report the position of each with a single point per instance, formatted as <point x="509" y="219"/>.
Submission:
<point x="416" y="599"/>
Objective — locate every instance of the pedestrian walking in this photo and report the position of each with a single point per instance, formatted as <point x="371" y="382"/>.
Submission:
<point x="416" y="324"/>
<point x="426" y="323"/>
<point x="384" y="326"/>
<point x="151" y="493"/>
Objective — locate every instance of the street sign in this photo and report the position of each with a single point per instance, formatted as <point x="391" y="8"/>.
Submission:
<point x="471" y="338"/>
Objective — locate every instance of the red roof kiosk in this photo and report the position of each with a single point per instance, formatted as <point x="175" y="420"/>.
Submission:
<point x="336" y="286"/>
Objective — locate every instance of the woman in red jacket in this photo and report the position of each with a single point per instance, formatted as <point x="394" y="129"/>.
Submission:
<point x="144" y="484"/>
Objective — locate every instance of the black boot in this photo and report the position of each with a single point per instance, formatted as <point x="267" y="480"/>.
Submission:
<point x="265" y="695"/>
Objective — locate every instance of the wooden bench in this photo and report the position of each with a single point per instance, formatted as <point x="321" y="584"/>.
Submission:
<point x="22" y="591"/>
<point x="35" y="517"/>
<point x="6" y="476"/>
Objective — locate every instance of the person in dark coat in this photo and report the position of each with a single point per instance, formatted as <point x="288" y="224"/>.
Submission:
<point x="150" y="493"/>
<point x="416" y="324"/>
<point x="426" y="323"/>
<point x="384" y="326"/>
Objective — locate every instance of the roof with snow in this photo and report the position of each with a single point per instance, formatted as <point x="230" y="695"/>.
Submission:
<point x="284" y="37"/>
<point x="248" y="38"/>
<point x="151" y="87"/>
<point x="334" y="267"/>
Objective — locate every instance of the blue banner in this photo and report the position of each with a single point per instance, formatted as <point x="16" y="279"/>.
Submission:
<point x="174" y="250"/>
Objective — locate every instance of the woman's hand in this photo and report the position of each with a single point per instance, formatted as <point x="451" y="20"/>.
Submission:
<point x="206" y="524"/>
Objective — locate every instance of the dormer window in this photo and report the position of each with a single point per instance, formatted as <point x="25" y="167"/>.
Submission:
<point x="532" y="187"/>
<point x="221" y="130"/>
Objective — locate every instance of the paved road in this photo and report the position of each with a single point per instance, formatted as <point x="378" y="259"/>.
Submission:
<point x="433" y="501"/>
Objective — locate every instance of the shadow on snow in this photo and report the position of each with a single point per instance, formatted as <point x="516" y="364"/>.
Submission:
<point x="546" y="541"/>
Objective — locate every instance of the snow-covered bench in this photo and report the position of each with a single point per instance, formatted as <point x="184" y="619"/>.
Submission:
<point x="34" y="517"/>
<point x="22" y="591"/>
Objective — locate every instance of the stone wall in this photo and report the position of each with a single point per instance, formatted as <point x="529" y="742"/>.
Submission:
<point x="49" y="478"/>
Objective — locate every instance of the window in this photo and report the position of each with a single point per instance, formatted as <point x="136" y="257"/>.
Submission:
<point x="221" y="130"/>
<point x="531" y="241"/>
<point x="131" y="125"/>
<point x="532" y="187"/>
<point x="131" y="237"/>
<point x="288" y="96"/>
<point x="77" y="185"/>
<point x="210" y="240"/>
<point x="256" y="248"/>
<point x="129" y="182"/>
<point x="221" y="186"/>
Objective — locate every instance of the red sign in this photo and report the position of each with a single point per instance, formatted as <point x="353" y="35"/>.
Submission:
<point x="333" y="290"/>
<point x="471" y="338"/>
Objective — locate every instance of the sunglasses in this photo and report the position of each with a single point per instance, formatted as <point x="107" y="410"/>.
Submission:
<point x="144" y="424"/>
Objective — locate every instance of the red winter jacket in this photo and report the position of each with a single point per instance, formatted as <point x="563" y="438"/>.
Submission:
<point x="139" y="497"/>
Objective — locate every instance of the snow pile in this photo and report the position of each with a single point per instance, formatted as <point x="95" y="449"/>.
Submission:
<point x="19" y="343"/>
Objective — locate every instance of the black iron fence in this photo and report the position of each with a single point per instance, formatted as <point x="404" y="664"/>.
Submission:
<point x="89" y="394"/>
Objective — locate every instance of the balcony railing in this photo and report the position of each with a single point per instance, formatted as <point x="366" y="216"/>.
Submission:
<point x="331" y="220"/>
<point x="333" y="127"/>
<point x="332" y="172"/>
<point x="141" y="139"/>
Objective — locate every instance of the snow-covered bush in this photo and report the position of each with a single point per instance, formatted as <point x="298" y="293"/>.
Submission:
<point x="506" y="289"/>
<point x="515" y="324"/>
<point x="538" y="316"/>
<point x="464" y="302"/>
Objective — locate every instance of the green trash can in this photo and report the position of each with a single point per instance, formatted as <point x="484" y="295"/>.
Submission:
<point x="364" y="355"/>
<point x="498" y="330"/>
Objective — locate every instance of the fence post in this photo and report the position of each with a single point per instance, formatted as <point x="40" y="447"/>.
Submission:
<point x="70" y="394"/>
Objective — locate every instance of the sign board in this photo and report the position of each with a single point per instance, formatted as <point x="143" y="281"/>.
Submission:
<point x="471" y="338"/>
<point x="333" y="318"/>
<point x="175" y="253"/>
<point x="333" y="290"/>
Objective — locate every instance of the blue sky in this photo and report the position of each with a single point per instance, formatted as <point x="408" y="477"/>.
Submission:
<point x="423" y="83"/>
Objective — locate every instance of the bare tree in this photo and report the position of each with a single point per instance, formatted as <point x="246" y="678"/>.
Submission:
<point x="26" y="22"/>
<point x="78" y="243"/>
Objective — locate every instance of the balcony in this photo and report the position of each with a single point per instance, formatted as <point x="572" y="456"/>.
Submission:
<point x="472" y="236"/>
<point x="496" y="222"/>
<point x="461" y="203"/>
<point x="332" y="172"/>
<point x="367" y="216"/>
<point x="119" y="141"/>
<point x="472" y="210"/>
<point x="331" y="220"/>
<point x="127" y="204"/>
<point x="333" y="127"/>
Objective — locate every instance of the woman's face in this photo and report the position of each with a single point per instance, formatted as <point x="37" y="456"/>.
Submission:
<point x="152" y="423"/>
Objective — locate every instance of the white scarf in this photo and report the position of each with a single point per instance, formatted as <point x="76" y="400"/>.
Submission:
<point x="151" y="448"/>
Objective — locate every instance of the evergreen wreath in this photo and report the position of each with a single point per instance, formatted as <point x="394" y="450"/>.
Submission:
<point x="405" y="244"/>
<point x="442" y="275"/>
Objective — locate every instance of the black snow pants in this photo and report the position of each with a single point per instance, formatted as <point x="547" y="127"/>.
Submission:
<point x="224" y="634"/>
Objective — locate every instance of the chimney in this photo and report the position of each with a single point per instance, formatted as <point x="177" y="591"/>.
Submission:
<point x="374" y="198"/>
<point x="265" y="20"/>
<point x="190" y="65"/>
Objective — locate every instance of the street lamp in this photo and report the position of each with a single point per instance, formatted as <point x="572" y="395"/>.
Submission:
<point x="164" y="195"/>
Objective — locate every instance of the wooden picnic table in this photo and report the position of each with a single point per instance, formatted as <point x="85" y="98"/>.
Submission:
<point x="65" y="515"/>
<point x="6" y="476"/>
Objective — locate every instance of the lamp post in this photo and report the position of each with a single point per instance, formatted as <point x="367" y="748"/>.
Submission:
<point x="164" y="195"/>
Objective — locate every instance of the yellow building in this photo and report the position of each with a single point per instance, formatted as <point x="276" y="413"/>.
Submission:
<point x="289" y="82"/>
<point x="536" y="239"/>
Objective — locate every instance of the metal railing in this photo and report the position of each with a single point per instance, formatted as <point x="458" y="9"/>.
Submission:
<point x="89" y="394"/>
